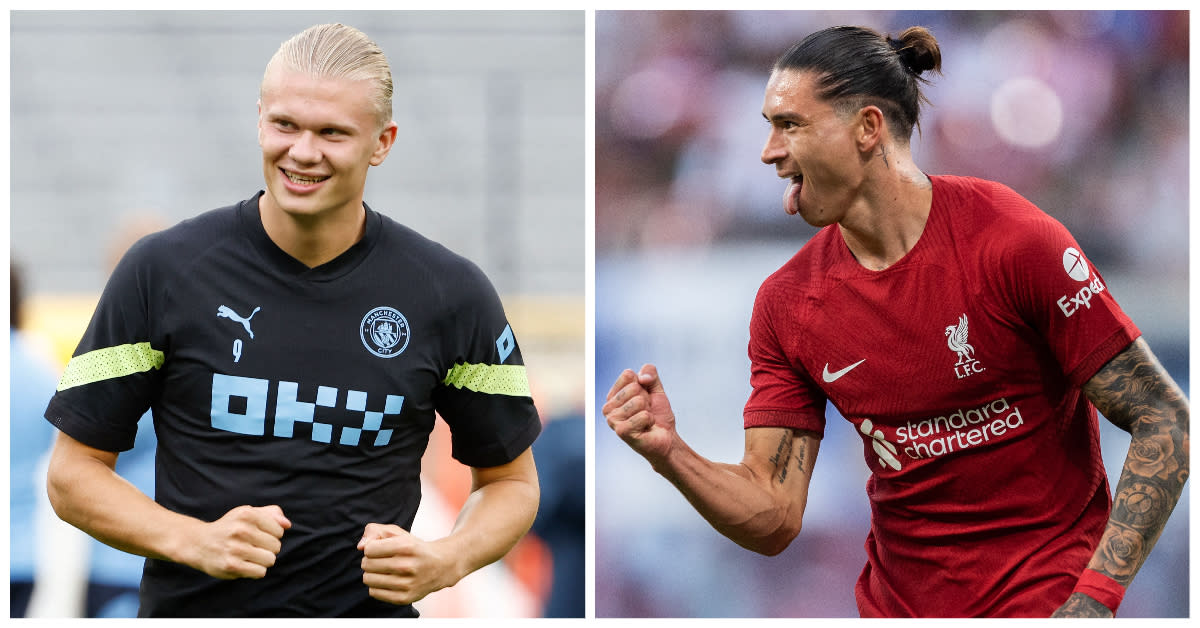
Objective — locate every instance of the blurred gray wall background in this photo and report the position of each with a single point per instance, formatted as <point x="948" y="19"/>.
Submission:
<point x="141" y="111"/>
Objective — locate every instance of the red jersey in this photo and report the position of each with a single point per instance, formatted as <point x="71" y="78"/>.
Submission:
<point x="960" y="366"/>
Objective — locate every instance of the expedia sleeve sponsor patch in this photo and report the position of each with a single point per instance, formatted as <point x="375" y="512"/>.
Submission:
<point x="1057" y="288"/>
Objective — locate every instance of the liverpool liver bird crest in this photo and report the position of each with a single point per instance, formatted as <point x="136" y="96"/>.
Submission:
<point x="956" y="339"/>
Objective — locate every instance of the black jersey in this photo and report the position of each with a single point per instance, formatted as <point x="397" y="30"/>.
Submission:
<point x="314" y="389"/>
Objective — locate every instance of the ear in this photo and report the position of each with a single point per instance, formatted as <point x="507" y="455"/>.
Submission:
<point x="870" y="128"/>
<point x="387" y="137"/>
<point x="260" y="124"/>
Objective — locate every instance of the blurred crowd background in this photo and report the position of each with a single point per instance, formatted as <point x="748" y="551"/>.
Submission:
<point x="1085" y="113"/>
<point x="123" y="123"/>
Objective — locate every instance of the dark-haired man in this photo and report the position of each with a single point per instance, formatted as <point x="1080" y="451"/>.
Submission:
<point x="981" y="339"/>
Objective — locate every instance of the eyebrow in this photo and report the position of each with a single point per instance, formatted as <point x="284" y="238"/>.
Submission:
<point x="276" y="116"/>
<point x="785" y="116"/>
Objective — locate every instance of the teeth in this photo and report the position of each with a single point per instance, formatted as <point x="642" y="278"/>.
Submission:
<point x="303" y="180"/>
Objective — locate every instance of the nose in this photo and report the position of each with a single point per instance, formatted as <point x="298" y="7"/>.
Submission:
<point x="305" y="150"/>
<point x="774" y="151"/>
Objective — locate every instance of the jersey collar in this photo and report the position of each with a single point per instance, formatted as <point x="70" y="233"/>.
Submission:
<point x="251" y="224"/>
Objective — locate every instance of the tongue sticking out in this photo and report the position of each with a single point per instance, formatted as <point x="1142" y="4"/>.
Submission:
<point x="791" y="196"/>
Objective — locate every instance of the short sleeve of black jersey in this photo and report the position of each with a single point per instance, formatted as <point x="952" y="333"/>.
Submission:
<point x="485" y="396"/>
<point x="114" y="374"/>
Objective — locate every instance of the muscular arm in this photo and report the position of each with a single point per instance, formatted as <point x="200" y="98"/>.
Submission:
<point x="86" y="492"/>
<point x="758" y="503"/>
<point x="500" y="510"/>
<point x="1136" y="394"/>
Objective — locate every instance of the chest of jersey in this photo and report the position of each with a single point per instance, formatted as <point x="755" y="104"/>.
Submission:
<point x="285" y="363"/>
<point x="923" y="363"/>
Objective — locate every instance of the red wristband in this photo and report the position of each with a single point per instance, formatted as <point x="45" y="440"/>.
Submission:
<point x="1101" y="588"/>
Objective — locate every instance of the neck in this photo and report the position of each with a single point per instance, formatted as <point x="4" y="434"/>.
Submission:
<point x="313" y="239"/>
<point x="892" y="210"/>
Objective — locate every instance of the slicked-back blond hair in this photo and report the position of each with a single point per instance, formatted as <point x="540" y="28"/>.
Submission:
<point x="341" y="52"/>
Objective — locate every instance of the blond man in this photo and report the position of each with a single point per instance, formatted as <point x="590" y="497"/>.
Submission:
<point x="294" y="348"/>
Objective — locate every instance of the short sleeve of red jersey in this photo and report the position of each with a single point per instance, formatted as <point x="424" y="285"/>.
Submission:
<point x="782" y="395"/>
<point x="1061" y="294"/>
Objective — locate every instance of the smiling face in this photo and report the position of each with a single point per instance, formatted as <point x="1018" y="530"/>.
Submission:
<point x="319" y="136"/>
<point x="815" y="146"/>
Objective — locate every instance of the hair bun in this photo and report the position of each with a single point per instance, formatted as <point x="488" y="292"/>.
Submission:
<point x="918" y="50"/>
<point x="904" y="52"/>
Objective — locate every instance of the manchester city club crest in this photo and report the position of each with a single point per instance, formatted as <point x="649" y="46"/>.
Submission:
<point x="384" y="332"/>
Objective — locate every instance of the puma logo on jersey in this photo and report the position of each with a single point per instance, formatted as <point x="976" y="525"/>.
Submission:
<point x="226" y="312"/>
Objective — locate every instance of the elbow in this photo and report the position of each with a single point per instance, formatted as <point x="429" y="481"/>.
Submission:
<point x="65" y="485"/>
<point x="75" y="475"/>
<point x="779" y="541"/>
<point x="57" y="488"/>
<point x="534" y="498"/>
<point x="531" y="497"/>
<point x="774" y="538"/>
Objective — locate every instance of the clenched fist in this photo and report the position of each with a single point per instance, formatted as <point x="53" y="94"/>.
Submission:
<point x="400" y="568"/>
<point x="638" y="410"/>
<point x="241" y="544"/>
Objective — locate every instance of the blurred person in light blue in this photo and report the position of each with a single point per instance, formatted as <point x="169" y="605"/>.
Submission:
<point x="32" y="380"/>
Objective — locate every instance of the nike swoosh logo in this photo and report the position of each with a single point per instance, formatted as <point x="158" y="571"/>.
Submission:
<point x="832" y="377"/>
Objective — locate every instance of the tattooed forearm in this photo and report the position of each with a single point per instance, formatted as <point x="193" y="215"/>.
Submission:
<point x="1135" y="503"/>
<point x="1133" y="386"/>
<point x="1134" y="392"/>
<point x="1080" y="605"/>
<point x="783" y="453"/>
<point x="800" y="453"/>
<point x="790" y="455"/>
